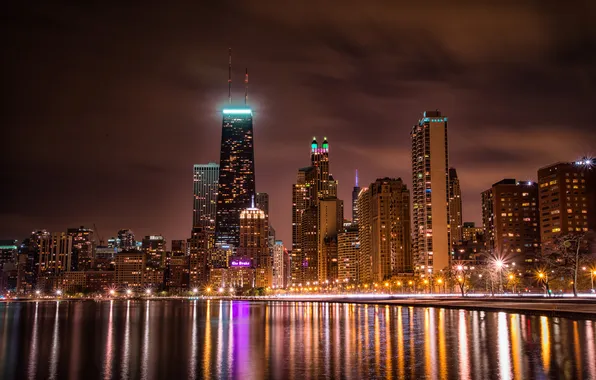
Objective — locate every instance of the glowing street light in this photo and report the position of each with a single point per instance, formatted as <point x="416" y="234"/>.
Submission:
<point x="37" y="292"/>
<point x="148" y="291"/>
<point x="112" y="292"/>
<point x="195" y="290"/>
<point x="128" y="292"/>
<point x="59" y="292"/>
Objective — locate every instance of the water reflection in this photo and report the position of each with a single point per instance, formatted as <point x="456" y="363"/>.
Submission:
<point x="213" y="339"/>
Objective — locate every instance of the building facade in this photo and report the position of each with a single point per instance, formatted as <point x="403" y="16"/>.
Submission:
<point x="348" y="247"/>
<point x="455" y="208"/>
<point x="236" y="185"/>
<point x="205" y="184"/>
<point x="254" y="244"/>
<point x="510" y="217"/>
<point x="431" y="244"/>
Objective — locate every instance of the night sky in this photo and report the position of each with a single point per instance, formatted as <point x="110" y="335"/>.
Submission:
<point x="106" y="108"/>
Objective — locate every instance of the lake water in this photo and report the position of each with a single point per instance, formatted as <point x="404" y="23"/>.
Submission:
<point x="181" y="339"/>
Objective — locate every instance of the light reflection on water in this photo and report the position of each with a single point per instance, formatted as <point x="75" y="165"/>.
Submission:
<point x="289" y="340"/>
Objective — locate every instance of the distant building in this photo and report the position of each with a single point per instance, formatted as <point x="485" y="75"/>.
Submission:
<point x="154" y="246"/>
<point x="431" y="244"/>
<point x="130" y="269"/>
<point x="355" y="192"/>
<point x="254" y="244"/>
<point x="179" y="247"/>
<point x="385" y="232"/>
<point x="83" y="248"/>
<point x="262" y="202"/>
<point x="278" y="264"/>
<point x="55" y="254"/>
<point x="455" y="208"/>
<point x="205" y="183"/>
<point x="564" y="200"/>
<point x="472" y="233"/>
<point x="510" y="217"/>
<point x="126" y="240"/>
<point x="200" y="248"/>
<point x="348" y="252"/>
<point x="8" y="252"/>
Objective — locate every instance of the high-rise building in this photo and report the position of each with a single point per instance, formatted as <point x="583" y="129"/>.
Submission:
<point x="355" y="192"/>
<point x="126" y="239"/>
<point x="431" y="243"/>
<point x="300" y="200"/>
<point x="205" y="183"/>
<point x="455" y="208"/>
<point x="154" y="246"/>
<point x="510" y="218"/>
<point x="278" y="264"/>
<point x="365" y="236"/>
<point x="179" y="247"/>
<point x="348" y="247"/>
<point x="565" y="196"/>
<point x="200" y="249"/>
<point x="236" y="185"/>
<point x="387" y="240"/>
<point x="130" y="269"/>
<point x="83" y="248"/>
<point x="254" y="244"/>
<point x="262" y="202"/>
<point x="472" y="233"/>
<point x="55" y="253"/>
<point x="311" y="225"/>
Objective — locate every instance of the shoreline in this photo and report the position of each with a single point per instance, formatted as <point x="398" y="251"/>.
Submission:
<point x="577" y="308"/>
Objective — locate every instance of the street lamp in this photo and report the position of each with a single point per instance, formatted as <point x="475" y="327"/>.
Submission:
<point x="195" y="290"/>
<point x="499" y="263"/>
<point x="148" y="292"/>
<point x="128" y="292"/>
<point x="112" y="292"/>
<point x="59" y="292"/>
<point x="38" y="292"/>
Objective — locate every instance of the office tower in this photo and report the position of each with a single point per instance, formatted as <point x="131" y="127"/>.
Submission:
<point x="205" y="187"/>
<point x="83" y="248"/>
<point x="130" y="269"/>
<point x="154" y="246"/>
<point x="127" y="240"/>
<point x="386" y="237"/>
<point x="355" y="192"/>
<point x="8" y="252"/>
<point x="317" y="215"/>
<point x="299" y="204"/>
<point x="236" y="185"/>
<point x="563" y="200"/>
<point x="205" y="179"/>
<point x="455" y="207"/>
<point x="364" y="236"/>
<point x="510" y="218"/>
<point x="430" y="197"/>
<point x="29" y="251"/>
<point x="278" y="264"/>
<point x="472" y="233"/>
<point x="199" y="248"/>
<point x="262" y="202"/>
<point x="254" y="244"/>
<point x="348" y="247"/>
<point x="55" y="253"/>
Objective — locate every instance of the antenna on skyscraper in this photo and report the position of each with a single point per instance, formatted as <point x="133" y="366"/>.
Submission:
<point x="230" y="76"/>
<point x="246" y="87"/>
<point x="356" y="178"/>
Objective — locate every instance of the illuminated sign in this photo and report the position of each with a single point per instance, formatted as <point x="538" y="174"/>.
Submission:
<point x="243" y="111"/>
<point x="240" y="263"/>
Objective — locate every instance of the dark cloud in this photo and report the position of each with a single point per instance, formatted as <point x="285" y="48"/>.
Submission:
<point x="107" y="107"/>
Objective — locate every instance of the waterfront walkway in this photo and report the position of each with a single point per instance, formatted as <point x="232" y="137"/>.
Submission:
<point x="566" y="307"/>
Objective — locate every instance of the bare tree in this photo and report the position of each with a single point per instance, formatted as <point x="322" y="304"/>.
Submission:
<point x="565" y="255"/>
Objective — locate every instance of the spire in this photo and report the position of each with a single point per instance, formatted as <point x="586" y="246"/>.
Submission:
<point x="325" y="144"/>
<point x="246" y="87"/>
<point x="356" y="178"/>
<point x="252" y="201"/>
<point x="314" y="145"/>
<point x="230" y="76"/>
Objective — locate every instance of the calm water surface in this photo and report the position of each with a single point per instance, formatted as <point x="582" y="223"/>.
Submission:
<point x="177" y="339"/>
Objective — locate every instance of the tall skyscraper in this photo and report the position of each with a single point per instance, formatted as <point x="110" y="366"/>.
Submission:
<point x="348" y="247"/>
<point x="564" y="200"/>
<point x="355" y="192"/>
<point x="127" y="240"/>
<point x="254" y="244"/>
<point x="55" y="253"/>
<point x="317" y="217"/>
<point x="510" y="218"/>
<point x="199" y="247"/>
<point x="236" y="185"/>
<point x="387" y="240"/>
<point x="455" y="208"/>
<point x="83" y="248"/>
<point x="365" y="236"/>
<point x="431" y="244"/>
<point x="205" y="179"/>
<point x="154" y="246"/>
<point x="279" y="252"/>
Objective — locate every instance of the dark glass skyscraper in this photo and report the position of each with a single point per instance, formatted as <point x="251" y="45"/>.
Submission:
<point x="236" y="184"/>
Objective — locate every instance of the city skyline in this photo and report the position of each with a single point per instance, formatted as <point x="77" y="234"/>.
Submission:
<point x="342" y="94"/>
